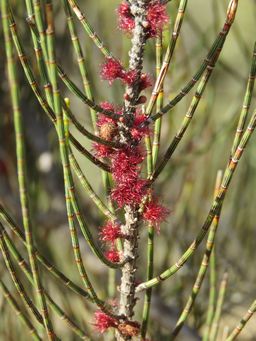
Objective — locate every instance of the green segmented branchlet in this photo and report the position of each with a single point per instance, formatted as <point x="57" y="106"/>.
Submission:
<point x="168" y="56"/>
<point x="159" y="101"/>
<point x="212" y="296"/>
<point x="41" y="56"/>
<point x="38" y="16"/>
<point x="70" y="214"/>
<point x="80" y="59"/>
<point x="22" y="177"/>
<point x="87" y="101"/>
<point x="219" y="305"/>
<point x="37" y="48"/>
<point x="63" y="148"/>
<point x="89" y="30"/>
<point x="233" y="72"/>
<point x="85" y="132"/>
<point x="88" y="155"/>
<point x="218" y="201"/>
<point x="68" y="180"/>
<point x="246" y="102"/>
<point x="239" y="131"/>
<point x="72" y="86"/>
<point x="42" y="100"/>
<point x="152" y="158"/>
<point x="238" y="329"/>
<point x="240" y="39"/>
<point x="64" y="152"/>
<point x="45" y="102"/>
<point x="78" y="257"/>
<point x="50" y="267"/>
<point x="86" y="232"/>
<point x="189" y="115"/>
<point x="93" y="110"/>
<point x="82" y="178"/>
<point x="25" y="268"/>
<point x="203" y="267"/>
<point x="56" y="94"/>
<point x="218" y="42"/>
<point x="150" y="273"/>
<point x="86" y="185"/>
<point x="148" y="147"/>
<point x="77" y="251"/>
<point x="64" y="317"/>
<point x="76" y="91"/>
<point x="20" y="288"/>
<point x="28" y="72"/>
<point x="11" y="300"/>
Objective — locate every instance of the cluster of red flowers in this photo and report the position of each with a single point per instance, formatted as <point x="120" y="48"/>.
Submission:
<point x="109" y="233"/>
<point x="103" y="321"/>
<point x="157" y="17"/>
<point x="112" y="70"/>
<point x="155" y="213"/>
<point x="130" y="188"/>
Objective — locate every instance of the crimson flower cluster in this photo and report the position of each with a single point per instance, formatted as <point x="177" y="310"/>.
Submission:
<point x="155" y="213"/>
<point x="109" y="233"/>
<point x="102" y="321"/>
<point x="126" y="165"/>
<point x="112" y="69"/>
<point x="157" y="17"/>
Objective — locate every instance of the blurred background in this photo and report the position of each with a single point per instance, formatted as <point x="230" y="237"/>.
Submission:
<point x="186" y="185"/>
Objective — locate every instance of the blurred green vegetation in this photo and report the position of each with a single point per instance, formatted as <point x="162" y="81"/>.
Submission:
<point x="186" y="185"/>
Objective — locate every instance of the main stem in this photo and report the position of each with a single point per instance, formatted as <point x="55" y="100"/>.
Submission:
<point x="130" y="228"/>
<point x="127" y="287"/>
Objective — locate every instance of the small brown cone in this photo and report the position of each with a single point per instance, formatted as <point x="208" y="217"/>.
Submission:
<point x="108" y="131"/>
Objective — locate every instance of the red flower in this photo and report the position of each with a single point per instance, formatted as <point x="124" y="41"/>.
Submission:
<point x="111" y="70"/>
<point x="129" y="78"/>
<point x="157" y="17"/>
<point x="155" y="213"/>
<point x="102" y="321"/>
<point x="138" y="131"/>
<point x="102" y="119"/>
<point x="100" y="150"/>
<point x="107" y="106"/>
<point x="110" y="232"/>
<point x="125" y="164"/>
<point x="126" y="167"/>
<point x="125" y="18"/>
<point x="129" y="192"/>
<point x="113" y="255"/>
<point x="145" y="81"/>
